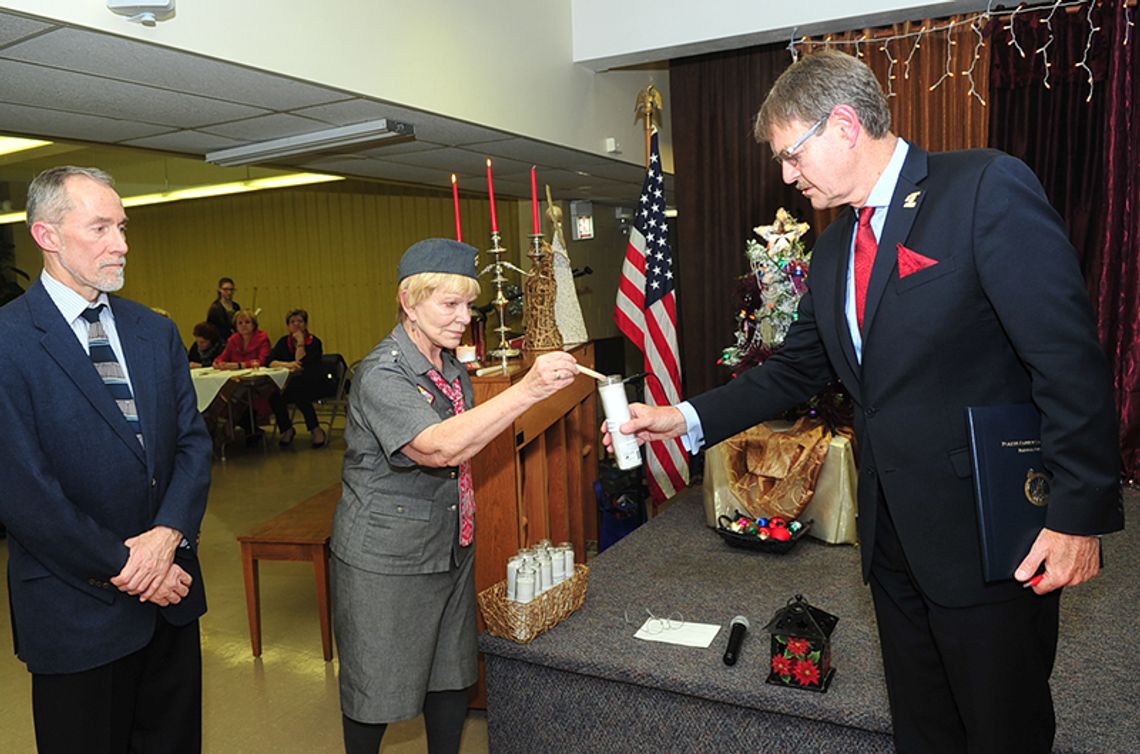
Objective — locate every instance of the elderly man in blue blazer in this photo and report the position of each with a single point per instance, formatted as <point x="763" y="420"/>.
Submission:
<point x="948" y="282"/>
<point x="103" y="486"/>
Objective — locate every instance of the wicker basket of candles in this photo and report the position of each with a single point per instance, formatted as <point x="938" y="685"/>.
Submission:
<point x="523" y="621"/>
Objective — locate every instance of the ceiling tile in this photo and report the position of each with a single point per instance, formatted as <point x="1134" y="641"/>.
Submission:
<point x="129" y="91"/>
<point x="188" y="142"/>
<point x="15" y="28"/>
<point x="428" y="127"/>
<point x="401" y="147"/>
<point x="451" y="160"/>
<point x="129" y="60"/>
<point x="365" y="168"/>
<point x="446" y="131"/>
<point x="347" y="112"/>
<point x="265" y="127"/>
<point x="28" y="84"/>
<point x="547" y="155"/>
<point x="56" y="124"/>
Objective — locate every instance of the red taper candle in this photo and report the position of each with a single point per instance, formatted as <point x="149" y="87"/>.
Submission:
<point x="491" y="193"/>
<point x="455" y="196"/>
<point x="534" y="200"/>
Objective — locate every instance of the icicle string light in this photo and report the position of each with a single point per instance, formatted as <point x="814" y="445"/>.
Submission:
<point x="1084" y="62"/>
<point x="976" y="23"/>
<point x="913" y="50"/>
<point x="969" y="72"/>
<point x="1043" y="50"/>
<point x="1013" y="32"/>
<point x="885" y="49"/>
<point x="947" y="74"/>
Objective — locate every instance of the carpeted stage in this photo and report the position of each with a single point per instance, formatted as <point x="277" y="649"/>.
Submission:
<point x="588" y="686"/>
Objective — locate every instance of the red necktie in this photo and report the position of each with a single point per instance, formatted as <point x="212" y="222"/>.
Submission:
<point x="454" y="393"/>
<point x="865" y="248"/>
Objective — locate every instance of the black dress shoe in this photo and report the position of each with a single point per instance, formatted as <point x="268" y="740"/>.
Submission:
<point x="286" y="438"/>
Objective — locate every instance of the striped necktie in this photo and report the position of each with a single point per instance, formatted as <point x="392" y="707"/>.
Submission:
<point x="454" y="393"/>
<point x="109" y="368"/>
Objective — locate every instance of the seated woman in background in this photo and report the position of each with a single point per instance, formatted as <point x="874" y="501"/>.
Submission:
<point x="207" y="346"/>
<point x="248" y="347"/>
<point x="300" y="352"/>
<point x="221" y="313"/>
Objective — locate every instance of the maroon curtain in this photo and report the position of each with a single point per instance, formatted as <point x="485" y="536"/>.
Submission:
<point x="726" y="184"/>
<point x="1086" y="151"/>
<point x="1054" y="129"/>
<point x="1117" y="297"/>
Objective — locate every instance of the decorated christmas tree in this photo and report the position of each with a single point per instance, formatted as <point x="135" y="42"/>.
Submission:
<point x="770" y="295"/>
<point x="769" y="300"/>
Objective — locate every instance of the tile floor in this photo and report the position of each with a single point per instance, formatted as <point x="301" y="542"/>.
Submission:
<point x="287" y="700"/>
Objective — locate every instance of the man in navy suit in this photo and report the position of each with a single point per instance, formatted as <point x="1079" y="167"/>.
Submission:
<point x="948" y="283"/>
<point x="102" y="490"/>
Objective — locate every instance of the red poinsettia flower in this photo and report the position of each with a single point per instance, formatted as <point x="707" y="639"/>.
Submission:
<point x="798" y="647"/>
<point x="782" y="665"/>
<point x="807" y="674"/>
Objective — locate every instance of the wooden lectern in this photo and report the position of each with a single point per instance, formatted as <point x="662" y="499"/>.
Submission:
<point x="536" y="479"/>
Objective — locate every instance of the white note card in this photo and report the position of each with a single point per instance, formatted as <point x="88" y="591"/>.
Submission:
<point x="688" y="635"/>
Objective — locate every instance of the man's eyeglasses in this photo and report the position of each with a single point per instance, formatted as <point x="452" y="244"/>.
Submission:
<point x="789" y="155"/>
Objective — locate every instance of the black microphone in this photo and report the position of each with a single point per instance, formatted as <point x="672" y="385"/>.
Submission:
<point x="740" y="626"/>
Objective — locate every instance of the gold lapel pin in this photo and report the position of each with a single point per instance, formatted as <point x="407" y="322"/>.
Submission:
<point x="911" y="200"/>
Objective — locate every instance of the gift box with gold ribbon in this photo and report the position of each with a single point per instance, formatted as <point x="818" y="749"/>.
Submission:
<point x="782" y="469"/>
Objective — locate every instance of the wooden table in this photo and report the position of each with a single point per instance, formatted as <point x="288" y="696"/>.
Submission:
<point x="300" y="533"/>
<point x="224" y="394"/>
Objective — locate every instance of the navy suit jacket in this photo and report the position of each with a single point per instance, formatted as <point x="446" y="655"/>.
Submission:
<point x="1001" y="317"/>
<point x="75" y="483"/>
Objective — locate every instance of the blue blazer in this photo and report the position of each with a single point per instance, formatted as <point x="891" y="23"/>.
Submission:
<point x="75" y="483"/>
<point x="1001" y="316"/>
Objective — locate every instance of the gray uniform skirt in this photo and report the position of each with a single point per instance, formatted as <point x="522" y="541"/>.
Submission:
<point x="401" y="636"/>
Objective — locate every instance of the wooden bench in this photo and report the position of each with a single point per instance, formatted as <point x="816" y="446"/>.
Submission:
<point x="300" y="533"/>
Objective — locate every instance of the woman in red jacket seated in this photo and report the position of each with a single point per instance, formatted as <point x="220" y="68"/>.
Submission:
<point x="248" y="347"/>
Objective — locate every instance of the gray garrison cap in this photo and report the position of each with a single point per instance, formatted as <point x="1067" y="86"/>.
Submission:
<point x="438" y="255"/>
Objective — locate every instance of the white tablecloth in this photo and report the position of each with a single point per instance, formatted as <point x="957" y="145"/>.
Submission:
<point x="208" y="381"/>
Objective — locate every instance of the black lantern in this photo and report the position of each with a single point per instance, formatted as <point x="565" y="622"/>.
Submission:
<point x="801" y="646"/>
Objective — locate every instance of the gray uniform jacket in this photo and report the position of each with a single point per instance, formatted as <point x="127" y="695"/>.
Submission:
<point x="395" y="516"/>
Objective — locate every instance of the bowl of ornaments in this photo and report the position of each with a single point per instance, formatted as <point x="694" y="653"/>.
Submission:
<point x="776" y="535"/>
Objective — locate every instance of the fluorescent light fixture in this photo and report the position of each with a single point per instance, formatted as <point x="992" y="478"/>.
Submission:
<point x="201" y="192"/>
<point x="311" y="144"/>
<point x="11" y="145"/>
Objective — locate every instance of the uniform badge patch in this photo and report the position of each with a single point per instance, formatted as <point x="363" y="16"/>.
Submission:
<point x="427" y="394"/>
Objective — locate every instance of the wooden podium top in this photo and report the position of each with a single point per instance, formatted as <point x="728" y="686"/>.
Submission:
<point x="540" y="417"/>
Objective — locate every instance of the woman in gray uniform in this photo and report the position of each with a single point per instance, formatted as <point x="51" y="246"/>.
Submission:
<point x="403" y="565"/>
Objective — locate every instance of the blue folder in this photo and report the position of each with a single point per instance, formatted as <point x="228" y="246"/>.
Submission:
<point x="1010" y="483"/>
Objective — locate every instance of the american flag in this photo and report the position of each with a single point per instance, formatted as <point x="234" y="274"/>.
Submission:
<point x="647" y="314"/>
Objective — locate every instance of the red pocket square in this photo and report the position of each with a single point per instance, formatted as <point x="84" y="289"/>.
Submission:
<point x="911" y="261"/>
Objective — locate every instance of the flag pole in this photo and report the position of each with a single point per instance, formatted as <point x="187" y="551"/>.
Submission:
<point x="649" y="103"/>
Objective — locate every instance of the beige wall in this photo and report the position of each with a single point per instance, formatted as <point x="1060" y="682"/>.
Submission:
<point x="332" y="250"/>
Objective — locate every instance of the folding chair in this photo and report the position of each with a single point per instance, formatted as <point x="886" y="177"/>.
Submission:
<point x="332" y="401"/>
